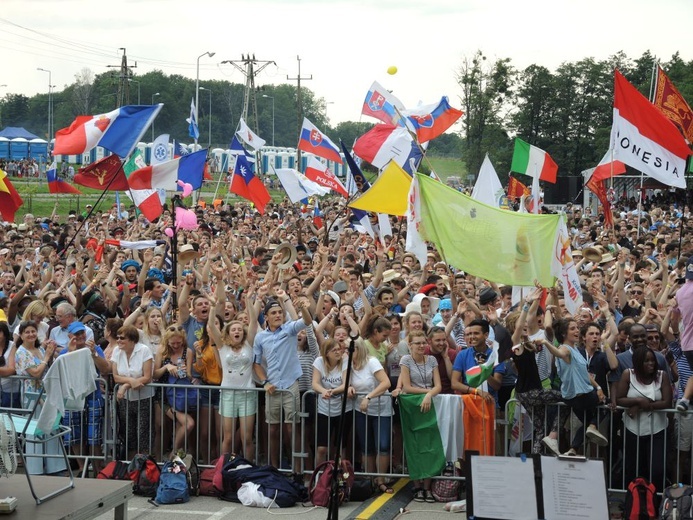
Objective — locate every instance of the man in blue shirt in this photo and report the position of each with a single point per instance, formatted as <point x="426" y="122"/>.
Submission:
<point x="91" y="418"/>
<point x="277" y="345"/>
<point x="476" y="353"/>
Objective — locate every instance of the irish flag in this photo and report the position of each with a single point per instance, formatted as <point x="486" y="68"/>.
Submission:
<point x="476" y="375"/>
<point x="533" y="161"/>
<point x="432" y="438"/>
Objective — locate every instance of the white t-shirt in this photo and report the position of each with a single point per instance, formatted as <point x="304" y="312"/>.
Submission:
<point x="364" y="381"/>
<point x="237" y="367"/>
<point x="134" y="367"/>
<point x="331" y="407"/>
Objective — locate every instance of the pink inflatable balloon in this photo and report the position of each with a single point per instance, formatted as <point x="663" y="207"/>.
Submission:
<point x="168" y="232"/>
<point x="187" y="188"/>
<point x="186" y="219"/>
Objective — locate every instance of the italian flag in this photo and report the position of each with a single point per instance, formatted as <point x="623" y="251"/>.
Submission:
<point x="147" y="201"/>
<point x="432" y="438"/>
<point x="533" y="161"/>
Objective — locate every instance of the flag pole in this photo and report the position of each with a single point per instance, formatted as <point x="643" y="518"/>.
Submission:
<point x="93" y="208"/>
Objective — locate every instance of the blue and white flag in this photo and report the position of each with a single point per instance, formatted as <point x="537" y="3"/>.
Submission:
<point x="193" y="130"/>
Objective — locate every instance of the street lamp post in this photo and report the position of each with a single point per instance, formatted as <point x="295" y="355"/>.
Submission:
<point x="153" y="96"/>
<point x="197" y="90"/>
<point x="209" y="115"/>
<point x="272" y="98"/>
<point x="138" y="89"/>
<point x="50" y="104"/>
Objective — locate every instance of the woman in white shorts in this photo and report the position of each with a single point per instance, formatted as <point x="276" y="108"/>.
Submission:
<point x="238" y="407"/>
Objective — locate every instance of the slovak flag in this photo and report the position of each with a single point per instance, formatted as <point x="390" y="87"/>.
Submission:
<point x="314" y="141"/>
<point x="245" y="184"/>
<point x="429" y="121"/>
<point x="56" y="184"/>
<point x="382" y="105"/>
<point x="118" y="131"/>
<point x="166" y="175"/>
<point x="321" y="174"/>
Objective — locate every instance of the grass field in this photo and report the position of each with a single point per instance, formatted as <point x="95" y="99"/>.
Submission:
<point x="39" y="201"/>
<point x="447" y="166"/>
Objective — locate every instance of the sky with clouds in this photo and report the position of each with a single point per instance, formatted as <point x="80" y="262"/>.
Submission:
<point x="344" y="45"/>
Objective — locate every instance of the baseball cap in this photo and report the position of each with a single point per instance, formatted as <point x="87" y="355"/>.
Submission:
<point x="76" y="327"/>
<point x="689" y="269"/>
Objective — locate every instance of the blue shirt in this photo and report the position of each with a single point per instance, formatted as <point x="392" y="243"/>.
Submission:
<point x="465" y="360"/>
<point x="279" y="349"/>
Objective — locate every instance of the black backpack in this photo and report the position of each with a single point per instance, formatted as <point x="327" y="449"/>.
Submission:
<point x="677" y="503"/>
<point x="640" y="500"/>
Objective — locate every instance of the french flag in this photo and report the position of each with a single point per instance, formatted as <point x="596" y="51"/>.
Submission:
<point x="314" y="141"/>
<point x="118" y="131"/>
<point x="321" y="174"/>
<point x="382" y="105"/>
<point x="56" y="184"/>
<point x="429" y="121"/>
<point x="166" y="175"/>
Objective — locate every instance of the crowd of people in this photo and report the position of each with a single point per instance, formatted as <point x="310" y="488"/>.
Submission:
<point x="263" y="308"/>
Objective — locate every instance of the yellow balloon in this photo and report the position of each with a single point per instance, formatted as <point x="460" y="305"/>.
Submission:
<point x="392" y="70"/>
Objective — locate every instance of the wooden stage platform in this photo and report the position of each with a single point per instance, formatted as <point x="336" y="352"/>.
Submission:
<point x="89" y="498"/>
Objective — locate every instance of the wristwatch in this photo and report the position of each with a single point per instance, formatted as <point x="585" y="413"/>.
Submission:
<point x="265" y="382"/>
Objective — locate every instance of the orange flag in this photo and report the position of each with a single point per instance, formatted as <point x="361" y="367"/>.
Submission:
<point x="671" y="103"/>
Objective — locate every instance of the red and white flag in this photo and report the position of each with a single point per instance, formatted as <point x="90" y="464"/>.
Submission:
<point x="383" y="143"/>
<point x="321" y="174"/>
<point x="643" y="138"/>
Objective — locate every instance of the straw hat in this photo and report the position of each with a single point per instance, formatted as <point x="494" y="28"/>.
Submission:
<point x="186" y="253"/>
<point x="288" y="255"/>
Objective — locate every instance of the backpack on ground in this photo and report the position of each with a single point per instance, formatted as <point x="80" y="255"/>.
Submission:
<point x="145" y="473"/>
<point x="229" y="480"/>
<point x="193" y="473"/>
<point x="115" y="470"/>
<point x="640" y="500"/>
<point x="218" y="478"/>
<point x="321" y="482"/>
<point x="173" y="484"/>
<point x="446" y="489"/>
<point x="677" y="503"/>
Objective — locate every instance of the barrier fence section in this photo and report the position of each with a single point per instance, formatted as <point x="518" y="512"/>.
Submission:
<point x="655" y="444"/>
<point x="168" y="418"/>
<point x="92" y="436"/>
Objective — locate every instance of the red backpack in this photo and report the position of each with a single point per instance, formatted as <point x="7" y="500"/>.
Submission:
<point x="321" y="482"/>
<point x="115" y="470"/>
<point x="640" y="500"/>
<point x="217" y="478"/>
<point x="145" y="473"/>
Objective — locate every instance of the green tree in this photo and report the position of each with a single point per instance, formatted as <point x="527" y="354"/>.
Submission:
<point x="486" y="87"/>
<point x="14" y="110"/>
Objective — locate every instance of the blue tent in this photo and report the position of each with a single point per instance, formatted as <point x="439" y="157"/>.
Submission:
<point x="12" y="132"/>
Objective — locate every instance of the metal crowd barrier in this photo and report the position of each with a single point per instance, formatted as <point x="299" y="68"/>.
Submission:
<point x="664" y="458"/>
<point x="83" y="449"/>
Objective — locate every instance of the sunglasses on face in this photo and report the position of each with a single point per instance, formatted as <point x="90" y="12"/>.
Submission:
<point x="636" y="292"/>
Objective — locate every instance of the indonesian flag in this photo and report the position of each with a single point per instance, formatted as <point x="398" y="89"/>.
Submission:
<point x="533" y="161"/>
<point x="643" y="138"/>
<point x="383" y="143"/>
<point x="319" y="173"/>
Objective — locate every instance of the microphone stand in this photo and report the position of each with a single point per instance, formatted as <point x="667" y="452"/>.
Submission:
<point x="333" y="505"/>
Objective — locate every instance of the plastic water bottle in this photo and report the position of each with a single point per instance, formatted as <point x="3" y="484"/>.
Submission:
<point x="181" y="368"/>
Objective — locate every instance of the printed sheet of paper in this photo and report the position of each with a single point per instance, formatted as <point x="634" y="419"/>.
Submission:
<point x="504" y="488"/>
<point x="573" y="490"/>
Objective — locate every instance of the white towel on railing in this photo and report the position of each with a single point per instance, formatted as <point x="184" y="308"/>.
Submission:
<point x="69" y="380"/>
